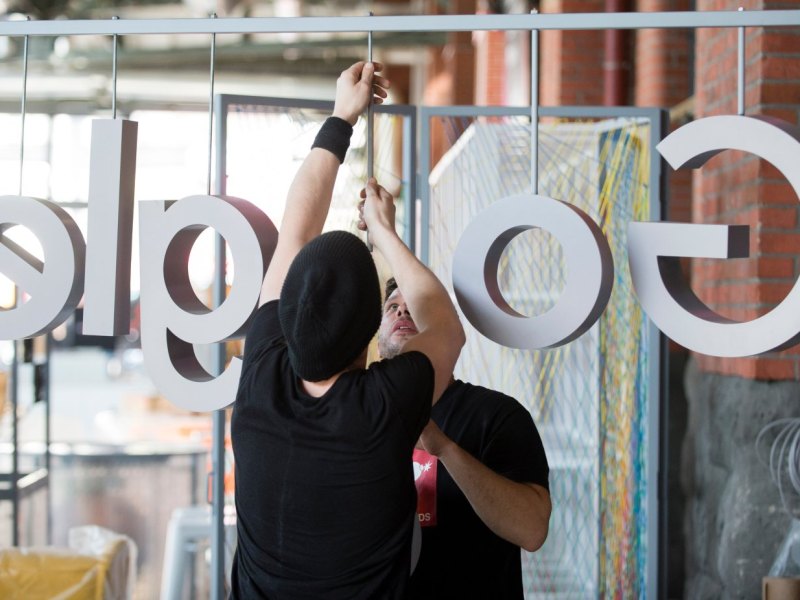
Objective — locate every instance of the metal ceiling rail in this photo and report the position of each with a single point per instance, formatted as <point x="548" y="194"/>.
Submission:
<point x="574" y="21"/>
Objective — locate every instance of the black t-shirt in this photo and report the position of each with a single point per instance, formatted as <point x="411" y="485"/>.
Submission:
<point x="461" y="557"/>
<point x="324" y="486"/>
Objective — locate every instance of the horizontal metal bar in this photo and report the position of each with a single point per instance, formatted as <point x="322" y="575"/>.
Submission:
<point x="568" y="112"/>
<point x="574" y="21"/>
<point x="24" y="480"/>
<point x="227" y="100"/>
<point x="476" y="111"/>
<point x="33" y="481"/>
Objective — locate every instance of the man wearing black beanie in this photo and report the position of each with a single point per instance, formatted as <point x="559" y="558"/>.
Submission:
<point x="325" y="492"/>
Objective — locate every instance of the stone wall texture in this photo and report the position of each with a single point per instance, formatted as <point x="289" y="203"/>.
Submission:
<point x="734" y="521"/>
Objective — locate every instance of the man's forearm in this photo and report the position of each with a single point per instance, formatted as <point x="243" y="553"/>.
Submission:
<point x="307" y="206"/>
<point x="517" y="512"/>
<point x="310" y="194"/>
<point x="425" y="295"/>
<point x="312" y="188"/>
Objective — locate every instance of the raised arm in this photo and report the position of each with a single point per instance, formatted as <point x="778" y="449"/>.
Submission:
<point x="310" y="194"/>
<point x="517" y="512"/>
<point x="441" y="335"/>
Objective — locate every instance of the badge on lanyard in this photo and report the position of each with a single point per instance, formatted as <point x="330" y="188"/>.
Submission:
<point x="425" y="479"/>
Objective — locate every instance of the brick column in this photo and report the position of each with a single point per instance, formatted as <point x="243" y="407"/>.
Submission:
<point x="451" y="72"/>
<point x="502" y="61"/>
<point x="737" y="188"/>
<point x="571" y="61"/>
<point x="490" y="68"/>
<point x="663" y="80"/>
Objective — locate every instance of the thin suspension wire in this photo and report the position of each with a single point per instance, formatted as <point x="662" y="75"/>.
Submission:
<point x="211" y="107"/>
<point x="23" y="110"/>
<point x="370" y="115"/>
<point x="14" y="371"/>
<point x="370" y="126"/>
<point x="534" y="109"/>
<point x="218" y="419"/>
<point x="114" y="75"/>
<point x="740" y="71"/>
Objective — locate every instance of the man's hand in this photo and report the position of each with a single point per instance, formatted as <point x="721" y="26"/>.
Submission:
<point x="376" y="210"/>
<point x="355" y="87"/>
<point x="310" y="194"/>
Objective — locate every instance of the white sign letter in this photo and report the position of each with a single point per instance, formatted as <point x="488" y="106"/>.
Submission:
<point x="589" y="265"/>
<point x="173" y="318"/>
<point x="112" y="171"/>
<point x="653" y="247"/>
<point x="55" y="285"/>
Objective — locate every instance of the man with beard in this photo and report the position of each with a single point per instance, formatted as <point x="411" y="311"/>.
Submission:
<point x="482" y="482"/>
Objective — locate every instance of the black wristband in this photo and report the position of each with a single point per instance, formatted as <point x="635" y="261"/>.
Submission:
<point x="334" y="136"/>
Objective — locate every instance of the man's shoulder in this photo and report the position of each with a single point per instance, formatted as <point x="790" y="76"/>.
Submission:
<point x="402" y="364"/>
<point x="469" y="392"/>
<point x="494" y="427"/>
<point x="405" y="378"/>
<point x="266" y="357"/>
<point x="478" y="406"/>
<point x="264" y="331"/>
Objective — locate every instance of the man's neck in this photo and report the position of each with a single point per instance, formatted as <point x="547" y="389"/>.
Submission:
<point x="316" y="389"/>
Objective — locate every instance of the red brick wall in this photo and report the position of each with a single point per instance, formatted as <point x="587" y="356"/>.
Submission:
<point x="741" y="189"/>
<point x="662" y="66"/>
<point x="663" y="79"/>
<point x="732" y="188"/>
<point x="662" y="59"/>
<point x="450" y="77"/>
<point x="490" y="76"/>
<point x="571" y="61"/>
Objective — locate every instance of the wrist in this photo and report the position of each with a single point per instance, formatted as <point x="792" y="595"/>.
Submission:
<point x="381" y="233"/>
<point x="347" y="118"/>
<point x="444" y="448"/>
<point x="334" y="136"/>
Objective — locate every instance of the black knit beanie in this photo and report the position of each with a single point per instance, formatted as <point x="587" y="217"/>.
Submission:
<point x="330" y="305"/>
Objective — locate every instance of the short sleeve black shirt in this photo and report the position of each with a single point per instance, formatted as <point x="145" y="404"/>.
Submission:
<point x="324" y="486"/>
<point x="461" y="557"/>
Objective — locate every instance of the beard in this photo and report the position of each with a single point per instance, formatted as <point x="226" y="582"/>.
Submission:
<point x="387" y="348"/>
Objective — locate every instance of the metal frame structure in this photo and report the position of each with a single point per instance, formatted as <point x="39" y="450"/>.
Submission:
<point x="654" y="115"/>
<point x="16" y="484"/>
<point x="222" y="104"/>
<point x="379" y="24"/>
<point x="433" y="23"/>
<point x="657" y="375"/>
